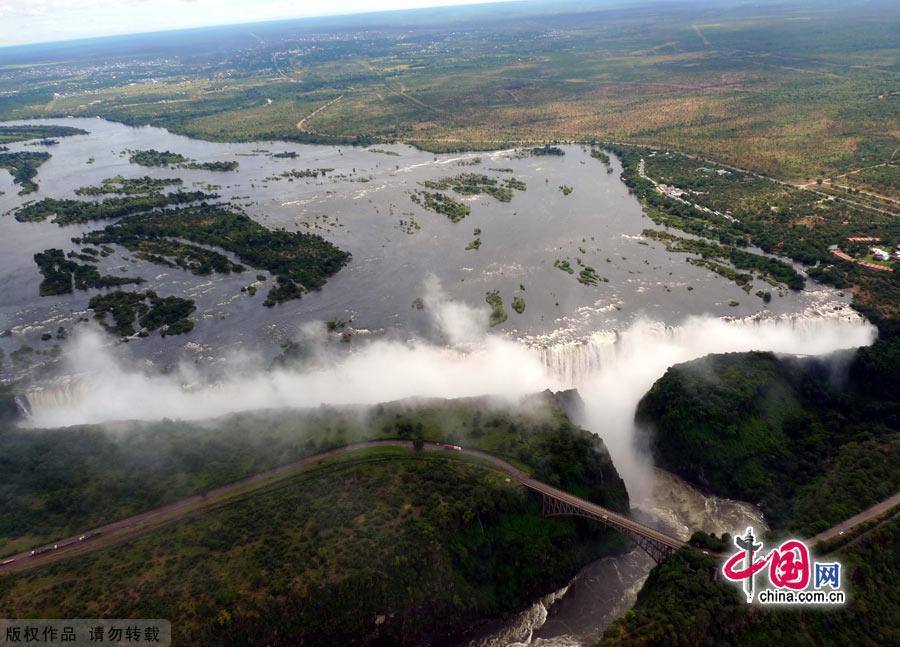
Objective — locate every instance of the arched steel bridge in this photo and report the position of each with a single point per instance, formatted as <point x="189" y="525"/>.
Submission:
<point x="558" y="502"/>
<point x="555" y="502"/>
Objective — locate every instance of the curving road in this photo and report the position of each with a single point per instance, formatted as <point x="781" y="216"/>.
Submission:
<point x="145" y="522"/>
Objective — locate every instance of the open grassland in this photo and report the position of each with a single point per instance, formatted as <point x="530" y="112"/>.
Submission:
<point x="799" y="92"/>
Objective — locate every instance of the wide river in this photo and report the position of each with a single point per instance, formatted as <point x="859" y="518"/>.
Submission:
<point x="611" y="340"/>
<point x="364" y="206"/>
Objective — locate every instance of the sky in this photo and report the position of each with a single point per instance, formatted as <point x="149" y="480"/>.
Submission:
<point x="36" y="21"/>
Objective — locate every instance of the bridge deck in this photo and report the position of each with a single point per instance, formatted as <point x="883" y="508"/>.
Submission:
<point x="613" y="519"/>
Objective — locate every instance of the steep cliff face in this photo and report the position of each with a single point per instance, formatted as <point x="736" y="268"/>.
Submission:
<point x="9" y="410"/>
<point x="811" y="441"/>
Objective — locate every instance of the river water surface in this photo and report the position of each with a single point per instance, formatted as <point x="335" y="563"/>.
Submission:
<point x="364" y="206"/>
<point x="611" y="341"/>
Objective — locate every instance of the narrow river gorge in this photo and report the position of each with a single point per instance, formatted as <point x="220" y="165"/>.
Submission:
<point x="414" y="321"/>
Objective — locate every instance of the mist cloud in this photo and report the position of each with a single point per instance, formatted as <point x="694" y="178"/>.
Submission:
<point x="611" y="370"/>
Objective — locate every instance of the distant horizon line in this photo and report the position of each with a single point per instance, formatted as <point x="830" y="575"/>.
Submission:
<point x="346" y="14"/>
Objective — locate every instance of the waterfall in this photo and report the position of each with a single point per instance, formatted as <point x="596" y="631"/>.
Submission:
<point x="612" y="370"/>
<point x="817" y="330"/>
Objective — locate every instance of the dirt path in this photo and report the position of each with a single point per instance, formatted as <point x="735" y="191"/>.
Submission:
<point x="301" y="125"/>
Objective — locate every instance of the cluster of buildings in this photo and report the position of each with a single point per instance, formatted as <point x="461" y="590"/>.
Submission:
<point x="879" y="253"/>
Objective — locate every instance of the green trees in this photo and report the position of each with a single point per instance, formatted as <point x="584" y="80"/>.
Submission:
<point x="25" y="132"/>
<point x="169" y="313"/>
<point x="300" y="261"/>
<point x="780" y="433"/>
<point x="475" y="184"/>
<point x="441" y="203"/>
<point x="24" y="167"/>
<point x="156" y="158"/>
<point x="67" y="212"/>
<point x="61" y="274"/>
<point x="167" y="158"/>
<point x="498" y="312"/>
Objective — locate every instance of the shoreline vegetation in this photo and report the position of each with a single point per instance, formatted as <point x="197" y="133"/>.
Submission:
<point x="23" y="166"/>
<point x="155" y="158"/>
<point x="726" y="211"/>
<point x="40" y="132"/>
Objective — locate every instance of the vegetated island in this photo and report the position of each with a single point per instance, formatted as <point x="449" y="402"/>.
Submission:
<point x="155" y="158"/>
<point x="129" y="186"/>
<point x="175" y="230"/>
<point x="61" y="274"/>
<point x="383" y="545"/>
<point x="475" y="184"/>
<point x="67" y="212"/>
<point x="167" y="314"/>
<point x="498" y="312"/>
<point x="23" y="166"/>
<point x="300" y="261"/>
<point x="11" y="134"/>
<point x="441" y="203"/>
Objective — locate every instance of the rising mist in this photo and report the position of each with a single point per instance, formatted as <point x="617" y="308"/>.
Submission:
<point x="612" y="371"/>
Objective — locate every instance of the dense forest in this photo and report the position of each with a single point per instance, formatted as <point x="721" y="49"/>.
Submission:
<point x="301" y="261"/>
<point x="124" y="468"/>
<point x="429" y="544"/>
<point x="23" y="166"/>
<point x="811" y="441"/>
<point x="685" y="602"/>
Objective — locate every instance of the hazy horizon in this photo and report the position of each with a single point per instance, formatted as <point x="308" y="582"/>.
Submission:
<point x="28" y="22"/>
